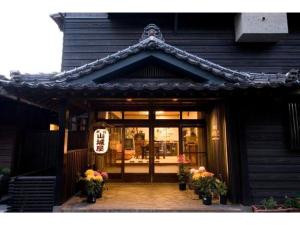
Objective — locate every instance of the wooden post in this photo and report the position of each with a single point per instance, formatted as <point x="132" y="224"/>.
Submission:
<point x="62" y="122"/>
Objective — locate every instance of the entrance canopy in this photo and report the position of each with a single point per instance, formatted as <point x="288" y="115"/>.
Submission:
<point x="150" y="68"/>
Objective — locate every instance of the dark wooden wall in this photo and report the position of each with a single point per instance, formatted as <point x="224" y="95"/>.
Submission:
<point x="17" y="121"/>
<point x="7" y="146"/>
<point x="31" y="194"/>
<point x="77" y="140"/>
<point x="273" y="169"/>
<point x="75" y="165"/>
<point x="210" y="36"/>
<point x="37" y="151"/>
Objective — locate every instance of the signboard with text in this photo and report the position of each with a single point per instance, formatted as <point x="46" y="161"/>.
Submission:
<point x="101" y="141"/>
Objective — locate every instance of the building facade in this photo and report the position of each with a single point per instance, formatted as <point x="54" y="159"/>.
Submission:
<point x="222" y="89"/>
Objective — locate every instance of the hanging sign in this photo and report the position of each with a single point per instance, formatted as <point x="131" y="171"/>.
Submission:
<point x="101" y="139"/>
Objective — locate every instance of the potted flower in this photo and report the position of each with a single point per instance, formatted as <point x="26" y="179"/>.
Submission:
<point x="91" y="190"/>
<point x="222" y="189"/>
<point x="92" y="183"/>
<point x="207" y="198"/>
<point x="207" y="188"/>
<point x="182" y="176"/>
<point x="202" y="181"/>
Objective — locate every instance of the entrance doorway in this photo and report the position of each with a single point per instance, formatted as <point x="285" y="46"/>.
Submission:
<point x="146" y="146"/>
<point x="166" y="151"/>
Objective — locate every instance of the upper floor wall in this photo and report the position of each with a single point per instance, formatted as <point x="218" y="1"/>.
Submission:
<point x="88" y="37"/>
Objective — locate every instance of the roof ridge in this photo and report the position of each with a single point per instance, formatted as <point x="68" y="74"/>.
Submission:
<point x="152" y="43"/>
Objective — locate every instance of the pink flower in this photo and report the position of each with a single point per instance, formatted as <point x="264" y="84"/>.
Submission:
<point x="96" y="173"/>
<point x="181" y="159"/>
<point x="104" y="175"/>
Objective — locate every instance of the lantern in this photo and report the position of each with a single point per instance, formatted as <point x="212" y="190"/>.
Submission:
<point x="101" y="141"/>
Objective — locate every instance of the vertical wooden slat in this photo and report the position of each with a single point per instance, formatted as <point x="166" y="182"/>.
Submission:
<point x="76" y="161"/>
<point x="294" y="125"/>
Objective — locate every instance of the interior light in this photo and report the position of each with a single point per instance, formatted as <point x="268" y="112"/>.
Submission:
<point x="129" y="99"/>
<point x="175" y="99"/>
<point x="53" y="127"/>
<point x="160" y="112"/>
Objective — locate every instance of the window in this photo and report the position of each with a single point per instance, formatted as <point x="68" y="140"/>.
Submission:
<point x="110" y="115"/>
<point x="194" y="146"/>
<point x="167" y="115"/>
<point x="53" y="127"/>
<point x="136" y="115"/>
<point x="192" y="115"/>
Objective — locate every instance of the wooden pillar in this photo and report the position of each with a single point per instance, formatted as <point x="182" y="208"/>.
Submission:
<point x="62" y="148"/>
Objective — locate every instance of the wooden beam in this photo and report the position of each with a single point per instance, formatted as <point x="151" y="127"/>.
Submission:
<point x="63" y="118"/>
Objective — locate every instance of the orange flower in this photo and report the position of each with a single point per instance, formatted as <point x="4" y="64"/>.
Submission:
<point x="207" y="174"/>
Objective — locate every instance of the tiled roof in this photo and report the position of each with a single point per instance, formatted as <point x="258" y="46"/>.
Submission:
<point x="152" y="40"/>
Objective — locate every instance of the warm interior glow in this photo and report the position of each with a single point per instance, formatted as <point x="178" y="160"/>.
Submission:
<point x="110" y="115"/>
<point x="53" y="127"/>
<point x="191" y="115"/>
<point x="167" y="115"/>
<point x="136" y="115"/>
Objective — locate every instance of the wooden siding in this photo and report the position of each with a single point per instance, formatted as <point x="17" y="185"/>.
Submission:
<point x="7" y="146"/>
<point x="273" y="169"/>
<point x="210" y="36"/>
<point x="77" y="140"/>
<point x="31" y="194"/>
<point x="38" y="151"/>
<point x="75" y="163"/>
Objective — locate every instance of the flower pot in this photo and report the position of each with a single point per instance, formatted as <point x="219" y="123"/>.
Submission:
<point x="206" y="199"/>
<point x="196" y="191"/>
<point x="223" y="199"/>
<point x="200" y="194"/>
<point x="91" y="199"/>
<point x="182" y="186"/>
<point x="99" y="194"/>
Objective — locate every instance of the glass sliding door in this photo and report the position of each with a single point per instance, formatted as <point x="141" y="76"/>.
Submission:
<point x="136" y="153"/>
<point x="194" y="147"/>
<point x="112" y="160"/>
<point x="166" y="150"/>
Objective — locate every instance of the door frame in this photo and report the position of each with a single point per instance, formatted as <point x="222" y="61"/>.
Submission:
<point x="151" y="123"/>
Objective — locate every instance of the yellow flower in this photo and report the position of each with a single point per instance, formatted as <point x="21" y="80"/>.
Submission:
<point x="98" y="178"/>
<point x="89" y="172"/>
<point x="196" y="176"/>
<point x="90" y="177"/>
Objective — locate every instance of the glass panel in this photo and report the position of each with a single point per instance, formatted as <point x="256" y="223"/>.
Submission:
<point x="136" y="115"/>
<point x="167" y="115"/>
<point x="112" y="160"/>
<point x="110" y="115"/>
<point x="192" y="115"/>
<point x="194" y="146"/>
<point x="166" y="149"/>
<point x="53" y="127"/>
<point x="136" y="150"/>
